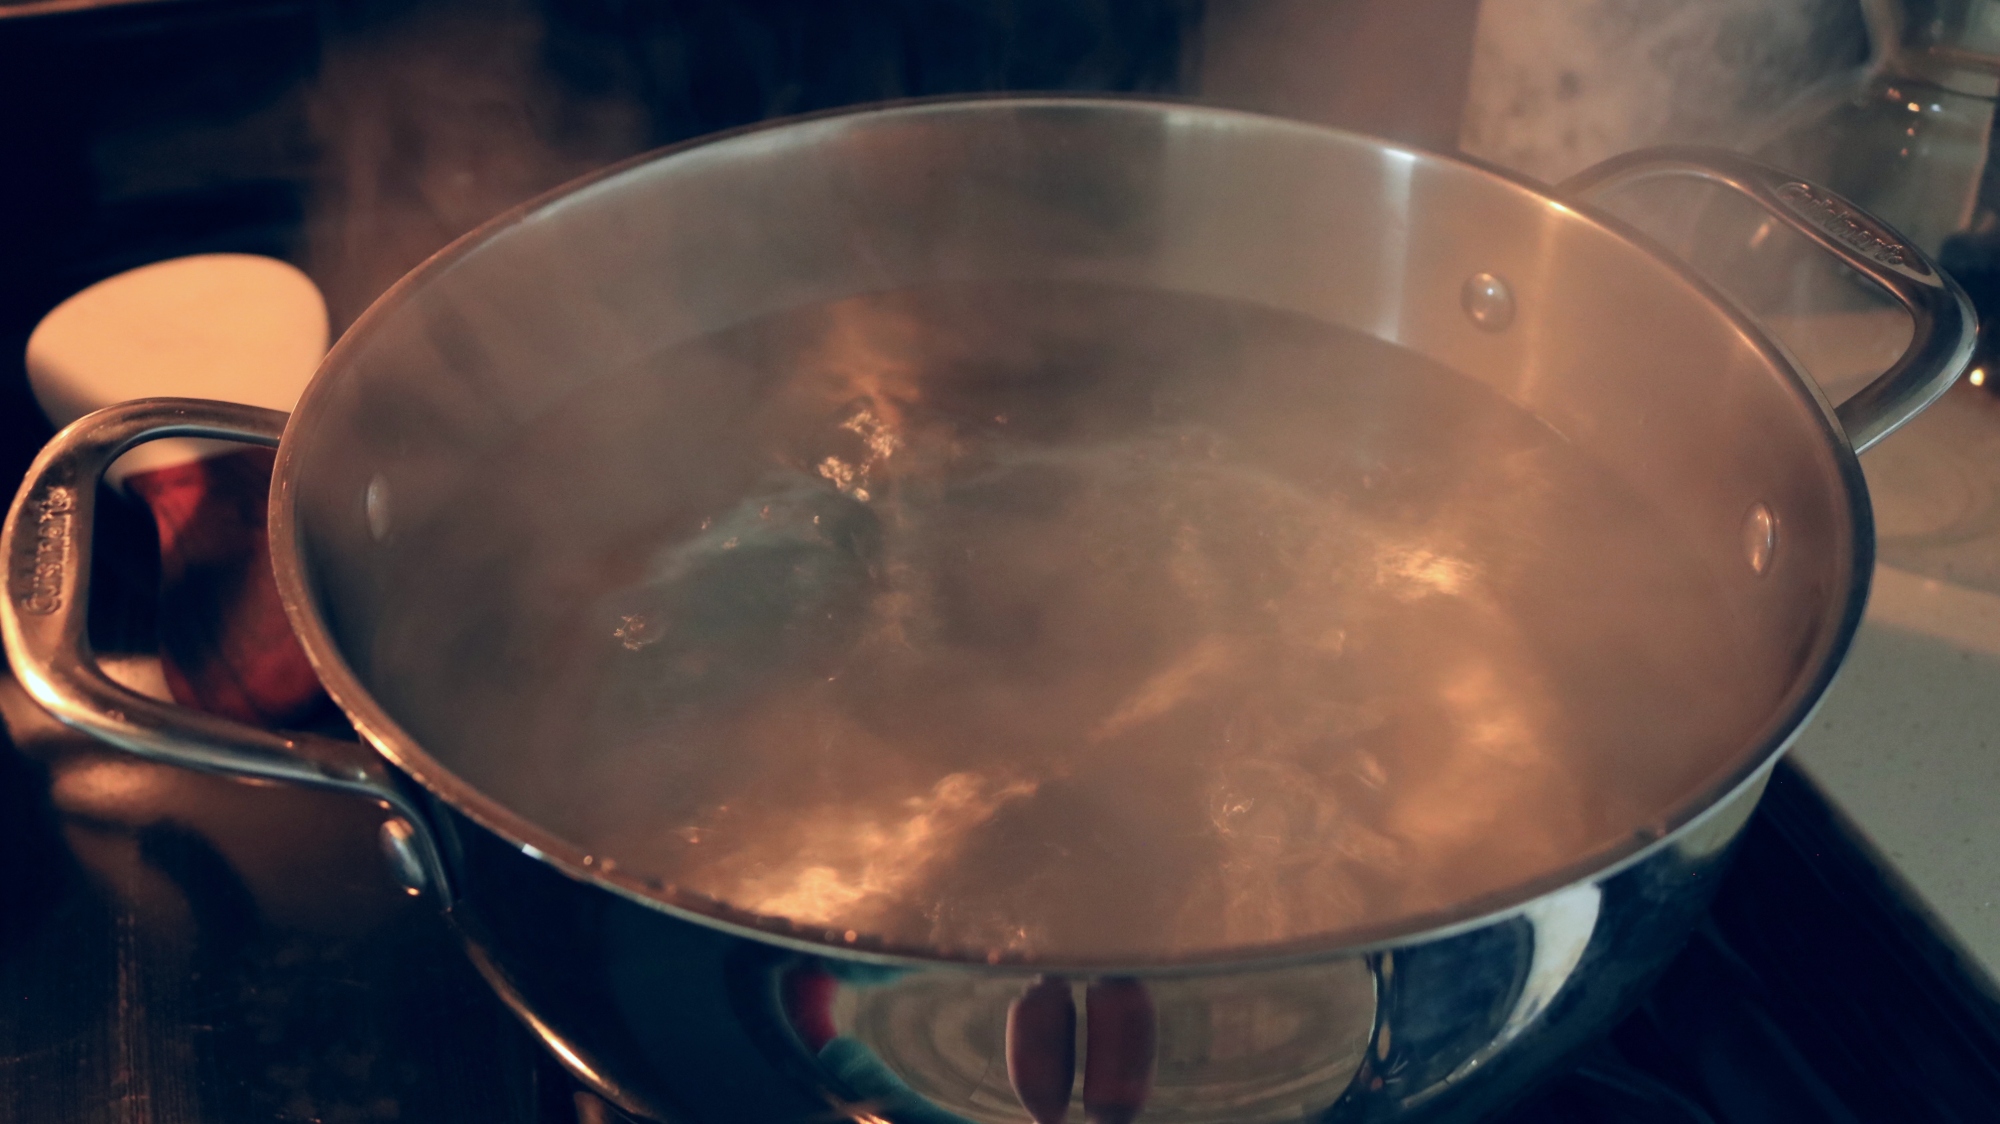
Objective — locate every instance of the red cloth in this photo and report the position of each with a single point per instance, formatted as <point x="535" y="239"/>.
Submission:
<point x="808" y="992"/>
<point x="225" y="643"/>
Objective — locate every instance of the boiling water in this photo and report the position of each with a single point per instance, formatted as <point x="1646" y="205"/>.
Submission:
<point x="1066" y="621"/>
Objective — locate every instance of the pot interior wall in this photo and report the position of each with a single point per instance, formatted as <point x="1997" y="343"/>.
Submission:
<point x="1027" y="224"/>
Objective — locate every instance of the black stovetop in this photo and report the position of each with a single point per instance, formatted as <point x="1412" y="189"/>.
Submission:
<point x="177" y="948"/>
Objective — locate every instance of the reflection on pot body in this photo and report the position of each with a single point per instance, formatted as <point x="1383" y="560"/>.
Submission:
<point x="693" y="1026"/>
<point x="1251" y="1049"/>
<point x="688" y="1006"/>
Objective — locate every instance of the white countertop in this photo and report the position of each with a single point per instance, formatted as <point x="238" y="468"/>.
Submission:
<point x="1907" y="744"/>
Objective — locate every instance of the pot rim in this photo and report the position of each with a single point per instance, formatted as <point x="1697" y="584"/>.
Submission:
<point x="388" y="738"/>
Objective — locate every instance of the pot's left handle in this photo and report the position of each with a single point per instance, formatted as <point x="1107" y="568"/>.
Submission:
<point x="46" y="544"/>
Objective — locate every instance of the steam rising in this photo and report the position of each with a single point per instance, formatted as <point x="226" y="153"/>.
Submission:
<point x="430" y="119"/>
<point x="1063" y="620"/>
<point x="434" y="123"/>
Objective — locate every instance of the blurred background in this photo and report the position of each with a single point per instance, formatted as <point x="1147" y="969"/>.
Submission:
<point x="354" y="137"/>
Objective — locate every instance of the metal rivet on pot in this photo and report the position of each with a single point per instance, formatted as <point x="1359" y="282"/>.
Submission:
<point x="375" y="504"/>
<point x="1488" y="300"/>
<point x="1760" y="537"/>
<point x="399" y="846"/>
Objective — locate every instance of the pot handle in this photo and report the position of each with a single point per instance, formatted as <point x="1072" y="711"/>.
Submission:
<point x="1945" y="327"/>
<point x="46" y="544"/>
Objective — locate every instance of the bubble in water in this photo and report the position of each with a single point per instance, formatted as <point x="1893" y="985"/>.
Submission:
<point x="635" y="631"/>
<point x="1123" y="662"/>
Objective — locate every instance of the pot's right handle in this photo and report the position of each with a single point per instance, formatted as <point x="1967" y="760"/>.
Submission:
<point x="1945" y="327"/>
<point x="46" y="545"/>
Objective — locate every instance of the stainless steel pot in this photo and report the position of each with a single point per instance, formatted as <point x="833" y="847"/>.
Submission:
<point x="681" y="1007"/>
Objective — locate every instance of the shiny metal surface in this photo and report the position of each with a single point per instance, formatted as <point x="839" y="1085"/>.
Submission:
<point x="29" y="9"/>
<point x="1188" y="201"/>
<point x="1944" y="325"/>
<point x="46" y="543"/>
<point x="686" y="1010"/>
<point x="682" y="1022"/>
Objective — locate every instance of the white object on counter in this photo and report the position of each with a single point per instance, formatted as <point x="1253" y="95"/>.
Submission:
<point x="236" y="327"/>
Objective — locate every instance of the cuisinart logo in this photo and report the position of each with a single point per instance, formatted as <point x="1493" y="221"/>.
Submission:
<point x="39" y="568"/>
<point x="1848" y="226"/>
